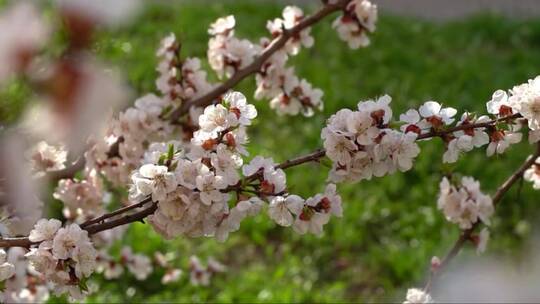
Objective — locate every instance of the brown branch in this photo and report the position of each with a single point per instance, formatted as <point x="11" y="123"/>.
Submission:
<point x="441" y="133"/>
<point x="99" y="224"/>
<point x="311" y="157"/>
<point x="127" y="219"/>
<point x="466" y="235"/>
<point x="102" y="218"/>
<point x="256" y="65"/>
<point x="15" y="242"/>
<point x="67" y="172"/>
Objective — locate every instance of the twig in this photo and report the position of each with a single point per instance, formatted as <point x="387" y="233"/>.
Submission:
<point x="99" y="224"/>
<point x="114" y="213"/>
<point x="435" y="133"/>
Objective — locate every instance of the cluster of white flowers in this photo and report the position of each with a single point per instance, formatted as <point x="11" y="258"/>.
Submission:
<point x="533" y="174"/>
<point x="226" y="53"/>
<point x="189" y="184"/>
<point x="191" y="177"/>
<point x="308" y="215"/>
<point x="25" y="286"/>
<point x="292" y="15"/>
<point x="7" y="269"/>
<point x="417" y="296"/>
<point x="464" y="204"/>
<point x="361" y="144"/>
<point x="172" y="274"/>
<point x="82" y="199"/>
<point x="433" y="117"/>
<point x="287" y="93"/>
<point x="179" y="80"/>
<point x="201" y="275"/>
<point x="275" y="81"/>
<point x="359" y="18"/>
<point x="65" y="256"/>
<point x="121" y="150"/>
<point x="44" y="158"/>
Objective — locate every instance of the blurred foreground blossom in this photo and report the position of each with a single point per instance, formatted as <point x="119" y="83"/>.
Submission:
<point x="23" y="33"/>
<point x="20" y="206"/>
<point x="109" y="13"/>
<point x="80" y="94"/>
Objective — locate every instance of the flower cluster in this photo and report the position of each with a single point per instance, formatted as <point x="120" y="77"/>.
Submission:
<point x="64" y="257"/>
<point x="308" y="215"/>
<point x="417" y="296"/>
<point x="533" y="174"/>
<point x="179" y="80"/>
<point x="226" y="53"/>
<point x="464" y="204"/>
<point x="45" y="158"/>
<point x="7" y="270"/>
<point x="275" y="81"/>
<point x="82" y="199"/>
<point x="359" y="18"/>
<point x="201" y="275"/>
<point x="123" y="147"/>
<point x="361" y="144"/>
<point x="292" y="15"/>
<point x="434" y="119"/>
<point x="189" y="181"/>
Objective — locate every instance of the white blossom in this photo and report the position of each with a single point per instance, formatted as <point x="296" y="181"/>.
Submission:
<point x="464" y="204"/>
<point x="282" y="209"/>
<point x="209" y="186"/>
<point x="217" y="118"/>
<point x="417" y="296"/>
<point x="44" y="230"/>
<point x="222" y="26"/>
<point x="45" y="157"/>
<point x="292" y="15"/>
<point x="7" y="270"/>
<point x="435" y="115"/>
<point x="257" y="163"/>
<point x="532" y="175"/>
<point x="499" y="104"/>
<point x="153" y="180"/>
<point x="525" y="99"/>
<point x="67" y="239"/>
<point x="238" y="105"/>
<point x="358" y="19"/>
<point x="483" y="239"/>
<point x="501" y="139"/>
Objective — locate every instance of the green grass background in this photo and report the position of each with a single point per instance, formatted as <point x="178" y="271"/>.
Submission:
<point x="391" y="227"/>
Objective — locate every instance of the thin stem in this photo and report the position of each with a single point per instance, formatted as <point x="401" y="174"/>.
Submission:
<point x="99" y="224"/>
<point x="434" y="133"/>
<point x="114" y="213"/>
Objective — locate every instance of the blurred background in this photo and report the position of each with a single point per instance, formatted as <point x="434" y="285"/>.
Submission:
<point x="454" y="52"/>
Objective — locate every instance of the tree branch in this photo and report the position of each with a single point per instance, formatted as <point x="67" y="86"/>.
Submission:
<point x="435" y="133"/>
<point x="256" y="65"/>
<point x="114" y="213"/>
<point x="99" y="223"/>
<point x="466" y="235"/>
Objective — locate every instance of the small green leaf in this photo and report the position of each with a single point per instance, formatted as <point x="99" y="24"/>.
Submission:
<point x="162" y="159"/>
<point x="170" y="153"/>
